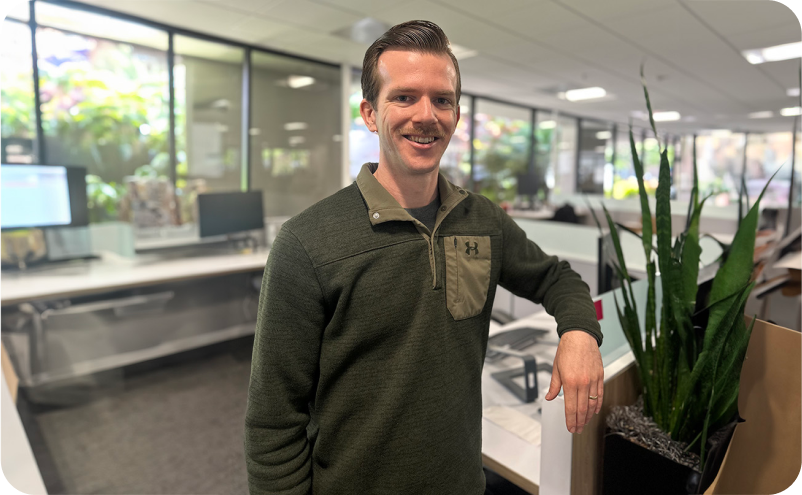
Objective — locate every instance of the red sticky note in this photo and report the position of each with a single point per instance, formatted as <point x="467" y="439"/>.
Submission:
<point x="599" y="312"/>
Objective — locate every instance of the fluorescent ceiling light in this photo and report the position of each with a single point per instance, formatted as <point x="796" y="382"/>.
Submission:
<point x="461" y="52"/>
<point x="295" y="126"/>
<point x="296" y="140"/>
<point x="547" y="124"/>
<point x="720" y="133"/>
<point x="604" y="135"/>
<point x="666" y="116"/>
<point x="761" y="115"/>
<point x="791" y="111"/>
<point x="254" y="131"/>
<point x="774" y="53"/>
<point x="585" y="94"/>
<point x="793" y="92"/>
<point x="296" y="82"/>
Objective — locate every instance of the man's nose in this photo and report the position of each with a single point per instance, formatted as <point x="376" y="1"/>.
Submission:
<point x="424" y="112"/>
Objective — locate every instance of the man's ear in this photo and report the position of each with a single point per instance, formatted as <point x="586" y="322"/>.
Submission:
<point x="368" y="114"/>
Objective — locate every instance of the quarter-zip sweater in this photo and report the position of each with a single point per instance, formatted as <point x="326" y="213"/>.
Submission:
<point x="371" y="337"/>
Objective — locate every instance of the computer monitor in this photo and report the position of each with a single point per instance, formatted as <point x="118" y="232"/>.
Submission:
<point x="228" y="213"/>
<point x="40" y="196"/>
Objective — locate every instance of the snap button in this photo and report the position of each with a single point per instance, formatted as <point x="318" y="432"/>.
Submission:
<point x="462" y="191"/>
<point x="443" y="208"/>
<point x="376" y="215"/>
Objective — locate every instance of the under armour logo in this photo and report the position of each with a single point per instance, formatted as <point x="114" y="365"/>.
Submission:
<point x="475" y="248"/>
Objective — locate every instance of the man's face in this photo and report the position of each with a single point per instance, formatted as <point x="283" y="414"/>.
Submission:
<point x="416" y="112"/>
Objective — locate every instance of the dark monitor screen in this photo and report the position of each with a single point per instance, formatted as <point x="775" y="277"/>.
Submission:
<point x="227" y="213"/>
<point x="39" y="196"/>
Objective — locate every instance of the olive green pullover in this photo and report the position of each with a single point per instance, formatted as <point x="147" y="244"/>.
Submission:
<point x="371" y="336"/>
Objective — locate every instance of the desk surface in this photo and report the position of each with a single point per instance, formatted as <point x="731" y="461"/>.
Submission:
<point x="101" y="276"/>
<point x="19" y="464"/>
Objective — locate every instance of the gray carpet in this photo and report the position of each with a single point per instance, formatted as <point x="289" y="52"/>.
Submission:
<point x="177" y="429"/>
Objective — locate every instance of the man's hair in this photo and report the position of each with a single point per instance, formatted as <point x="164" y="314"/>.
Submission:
<point x="417" y="36"/>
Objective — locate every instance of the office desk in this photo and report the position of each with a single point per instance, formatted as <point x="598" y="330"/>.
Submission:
<point x="75" y="320"/>
<point x="560" y="458"/>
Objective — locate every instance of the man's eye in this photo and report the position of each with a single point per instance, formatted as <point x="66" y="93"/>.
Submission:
<point x="443" y="101"/>
<point x="402" y="98"/>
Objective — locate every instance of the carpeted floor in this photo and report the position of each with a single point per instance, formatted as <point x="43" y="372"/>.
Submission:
<point x="175" y="429"/>
<point x="170" y="426"/>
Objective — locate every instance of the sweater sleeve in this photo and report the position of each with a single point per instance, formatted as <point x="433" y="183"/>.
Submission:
<point x="284" y="368"/>
<point x="528" y="272"/>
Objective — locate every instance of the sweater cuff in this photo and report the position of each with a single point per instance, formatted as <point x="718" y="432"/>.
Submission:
<point x="594" y="334"/>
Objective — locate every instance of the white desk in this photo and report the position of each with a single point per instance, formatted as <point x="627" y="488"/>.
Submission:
<point x="102" y="276"/>
<point x="523" y="462"/>
<point x="19" y="465"/>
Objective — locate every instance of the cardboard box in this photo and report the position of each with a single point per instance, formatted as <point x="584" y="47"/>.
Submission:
<point x="765" y="454"/>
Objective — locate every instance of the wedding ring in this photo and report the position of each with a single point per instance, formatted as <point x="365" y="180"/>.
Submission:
<point x="593" y="397"/>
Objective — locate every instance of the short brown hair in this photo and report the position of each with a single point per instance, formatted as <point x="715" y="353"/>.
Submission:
<point x="419" y="36"/>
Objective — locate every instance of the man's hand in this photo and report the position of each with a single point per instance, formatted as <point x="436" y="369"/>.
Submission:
<point x="578" y="369"/>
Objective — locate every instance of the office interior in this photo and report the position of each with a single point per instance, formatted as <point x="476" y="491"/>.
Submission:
<point x="151" y="151"/>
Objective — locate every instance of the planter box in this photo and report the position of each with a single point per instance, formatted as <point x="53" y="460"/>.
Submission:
<point x="630" y="468"/>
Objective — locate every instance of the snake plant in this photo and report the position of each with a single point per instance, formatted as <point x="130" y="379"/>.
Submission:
<point x="690" y="364"/>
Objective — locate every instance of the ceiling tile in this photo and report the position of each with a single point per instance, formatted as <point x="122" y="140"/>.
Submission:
<point x="540" y="19"/>
<point x="614" y="8"/>
<point x="312" y="15"/>
<point x="730" y="18"/>
<point x="762" y="38"/>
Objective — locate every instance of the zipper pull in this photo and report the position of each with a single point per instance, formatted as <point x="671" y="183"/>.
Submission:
<point x="455" y="243"/>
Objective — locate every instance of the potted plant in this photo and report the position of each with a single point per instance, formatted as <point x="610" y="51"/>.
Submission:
<point x="689" y="365"/>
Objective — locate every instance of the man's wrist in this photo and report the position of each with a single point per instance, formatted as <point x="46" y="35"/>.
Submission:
<point x="588" y="332"/>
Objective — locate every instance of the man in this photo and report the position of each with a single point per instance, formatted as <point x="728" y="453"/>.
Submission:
<point x="375" y="307"/>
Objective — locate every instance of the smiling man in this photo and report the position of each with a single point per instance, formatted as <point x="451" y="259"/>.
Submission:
<point x="375" y="307"/>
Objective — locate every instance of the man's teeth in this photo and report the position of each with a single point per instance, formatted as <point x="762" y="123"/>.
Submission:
<point x="421" y="140"/>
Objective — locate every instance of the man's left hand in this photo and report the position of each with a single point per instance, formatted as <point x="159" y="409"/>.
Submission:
<point x="578" y="369"/>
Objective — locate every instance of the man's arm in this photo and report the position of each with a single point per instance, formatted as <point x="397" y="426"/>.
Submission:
<point x="528" y="272"/>
<point x="283" y="371"/>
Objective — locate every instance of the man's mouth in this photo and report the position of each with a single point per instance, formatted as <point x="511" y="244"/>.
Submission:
<point x="421" y="139"/>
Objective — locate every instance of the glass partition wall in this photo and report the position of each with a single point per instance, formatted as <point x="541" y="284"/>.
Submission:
<point x="239" y="117"/>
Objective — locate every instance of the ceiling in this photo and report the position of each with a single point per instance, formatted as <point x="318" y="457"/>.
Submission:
<point x="530" y="49"/>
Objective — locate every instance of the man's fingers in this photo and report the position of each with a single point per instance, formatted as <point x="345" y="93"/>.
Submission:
<point x="593" y="391"/>
<point x="600" y="394"/>
<point x="556" y="383"/>
<point x="570" y="409"/>
<point x="582" y="407"/>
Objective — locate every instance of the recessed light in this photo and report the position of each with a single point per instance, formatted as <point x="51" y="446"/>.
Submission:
<point x="791" y="111"/>
<point x="296" y="82"/>
<point x="774" y="53"/>
<point x="761" y="115"/>
<point x="585" y="93"/>
<point x="792" y="92"/>
<point x="295" y="126"/>
<point x="666" y="116"/>
<point x="604" y="135"/>
<point x="547" y="124"/>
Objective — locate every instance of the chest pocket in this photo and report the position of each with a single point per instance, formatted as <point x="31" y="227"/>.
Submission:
<point x="467" y="274"/>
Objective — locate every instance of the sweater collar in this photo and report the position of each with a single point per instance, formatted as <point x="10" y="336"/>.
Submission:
<point x="383" y="207"/>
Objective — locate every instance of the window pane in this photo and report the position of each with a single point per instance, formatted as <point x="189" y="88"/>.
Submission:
<point x="363" y="145"/>
<point x="719" y="159"/>
<point x="455" y="164"/>
<point x="765" y="154"/>
<point x="208" y="119"/>
<point x="99" y="26"/>
<point x="16" y="95"/>
<point x="561" y="134"/>
<point x="625" y="183"/>
<point x="296" y="138"/>
<point x="105" y="107"/>
<point x="20" y="11"/>
<point x="593" y="143"/>
<point x="502" y="142"/>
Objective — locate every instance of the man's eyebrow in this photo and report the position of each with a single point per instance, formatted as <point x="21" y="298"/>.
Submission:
<point x="444" y="92"/>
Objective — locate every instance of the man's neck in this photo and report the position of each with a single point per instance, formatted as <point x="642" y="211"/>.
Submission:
<point x="415" y="191"/>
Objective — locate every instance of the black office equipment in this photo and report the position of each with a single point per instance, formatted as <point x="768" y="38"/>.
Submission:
<point x="229" y="213"/>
